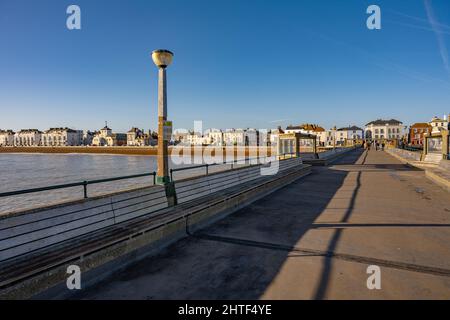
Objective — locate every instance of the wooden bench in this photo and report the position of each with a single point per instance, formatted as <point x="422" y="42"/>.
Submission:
<point x="32" y="230"/>
<point x="114" y="219"/>
<point x="197" y="187"/>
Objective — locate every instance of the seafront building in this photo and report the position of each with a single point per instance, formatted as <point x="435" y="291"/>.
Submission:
<point x="329" y="138"/>
<point x="137" y="137"/>
<point x="59" y="137"/>
<point x="348" y="135"/>
<point x="438" y="124"/>
<point x="214" y="137"/>
<point x="274" y="136"/>
<point x="384" y="130"/>
<point x="375" y="130"/>
<point x="27" y="138"/>
<point x="105" y="137"/>
<point x="308" y="128"/>
<point x="6" y="138"/>
<point x="193" y="139"/>
<point x="234" y="137"/>
<point x="416" y="133"/>
<point x="87" y="137"/>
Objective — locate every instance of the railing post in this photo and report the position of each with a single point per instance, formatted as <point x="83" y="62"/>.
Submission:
<point x="154" y="177"/>
<point x="171" y="174"/>
<point x="85" y="189"/>
<point x="207" y="169"/>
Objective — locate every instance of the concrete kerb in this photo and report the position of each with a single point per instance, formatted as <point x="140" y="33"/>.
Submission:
<point x="431" y="171"/>
<point x="328" y="160"/>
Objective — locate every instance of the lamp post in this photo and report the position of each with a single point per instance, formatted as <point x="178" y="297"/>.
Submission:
<point x="162" y="58"/>
<point x="334" y="140"/>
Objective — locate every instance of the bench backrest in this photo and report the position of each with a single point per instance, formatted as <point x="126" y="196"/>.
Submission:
<point x="40" y="228"/>
<point x="193" y="188"/>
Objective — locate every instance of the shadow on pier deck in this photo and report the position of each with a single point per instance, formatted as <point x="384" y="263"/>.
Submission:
<point x="312" y="239"/>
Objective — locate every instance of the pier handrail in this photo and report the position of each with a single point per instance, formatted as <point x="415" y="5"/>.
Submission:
<point x="232" y="162"/>
<point x="88" y="182"/>
<point x="76" y="184"/>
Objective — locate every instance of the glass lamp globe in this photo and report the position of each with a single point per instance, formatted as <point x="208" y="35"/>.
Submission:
<point x="162" y="58"/>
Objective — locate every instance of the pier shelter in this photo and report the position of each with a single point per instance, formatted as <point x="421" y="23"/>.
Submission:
<point x="289" y="143"/>
<point x="437" y="145"/>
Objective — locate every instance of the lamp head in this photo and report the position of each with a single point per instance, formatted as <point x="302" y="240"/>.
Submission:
<point x="162" y="58"/>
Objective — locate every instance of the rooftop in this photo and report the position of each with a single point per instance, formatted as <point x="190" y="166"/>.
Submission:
<point x="59" y="130"/>
<point x="420" y="125"/>
<point x="7" y="131"/>
<point x="381" y="122"/>
<point x="306" y="127"/>
<point x="350" y="128"/>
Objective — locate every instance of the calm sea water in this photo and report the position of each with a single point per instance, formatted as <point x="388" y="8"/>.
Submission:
<point x="24" y="171"/>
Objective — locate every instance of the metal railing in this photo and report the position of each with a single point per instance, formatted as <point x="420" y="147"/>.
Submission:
<point x="85" y="183"/>
<point x="232" y="162"/>
<point x="410" y="148"/>
<point x="76" y="184"/>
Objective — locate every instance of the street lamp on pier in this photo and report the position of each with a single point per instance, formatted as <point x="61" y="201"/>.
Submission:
<point x="162" y="59"/>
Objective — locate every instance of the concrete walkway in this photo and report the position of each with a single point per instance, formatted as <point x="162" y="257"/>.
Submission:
<point x="313" y="239"/>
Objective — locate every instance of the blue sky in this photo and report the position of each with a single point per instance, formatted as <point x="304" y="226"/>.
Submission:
<point x="237" y="63"/>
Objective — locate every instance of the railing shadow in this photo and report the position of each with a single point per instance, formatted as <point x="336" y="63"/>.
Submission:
<point x="239" y="256"/>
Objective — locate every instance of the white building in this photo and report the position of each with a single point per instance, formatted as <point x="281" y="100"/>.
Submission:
<point x="137" y="137"/>
<point x="252" y="137"/>
<point x="331" y="138"/>
<point x="61" y="137"/>
<point x="6" y="138"/>
<point x="27" y="137"/>
<point x="307" y="128"/>
<point x="234" y="137"/>
<point x="274" y="136"/>
<point x="100" y="137"/>
<point x="214" y="137"/>
<point x="348" y="133"/>
<point x="384" y="130"/>
<point x="437" y="124"/>
<point x="194" y="139"/>
<point x="105" y="137"/>
<point x="87" y="137"/>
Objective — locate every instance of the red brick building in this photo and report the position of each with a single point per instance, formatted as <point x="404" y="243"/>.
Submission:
<point x="416" y="132"/>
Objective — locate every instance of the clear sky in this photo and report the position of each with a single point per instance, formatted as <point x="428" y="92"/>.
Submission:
<point x="237" y="63"/>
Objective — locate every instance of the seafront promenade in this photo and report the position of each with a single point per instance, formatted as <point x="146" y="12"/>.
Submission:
<point x="146" y="151"/>
<point x="312" y="239"/>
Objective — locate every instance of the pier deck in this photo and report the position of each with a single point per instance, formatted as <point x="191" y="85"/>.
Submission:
<point x="313" y="239"/>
